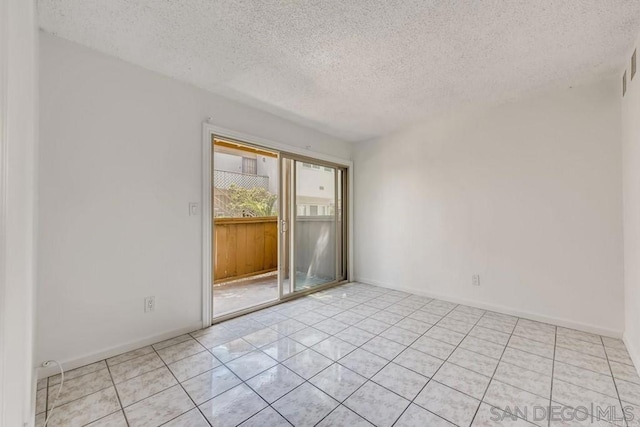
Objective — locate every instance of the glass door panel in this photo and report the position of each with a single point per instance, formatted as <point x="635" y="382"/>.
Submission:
<point x="245" y="226"/>
<point x="315" y="227"/>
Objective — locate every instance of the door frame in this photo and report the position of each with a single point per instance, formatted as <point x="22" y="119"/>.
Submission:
<point x="208" y="131"/>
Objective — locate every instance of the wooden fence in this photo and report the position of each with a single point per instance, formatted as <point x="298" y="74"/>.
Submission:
<point x="244" y="247"/>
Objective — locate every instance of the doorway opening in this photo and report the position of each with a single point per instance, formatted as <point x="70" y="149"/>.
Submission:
<point x="278" y="223"/>
<point x="245" y="226"/>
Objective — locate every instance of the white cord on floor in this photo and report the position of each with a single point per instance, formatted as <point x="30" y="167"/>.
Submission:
<point x="46" y="364"/>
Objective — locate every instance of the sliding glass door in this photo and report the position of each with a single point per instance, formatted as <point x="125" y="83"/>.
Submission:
<point x="313" y="241"/>
<point x="278" y="226"/>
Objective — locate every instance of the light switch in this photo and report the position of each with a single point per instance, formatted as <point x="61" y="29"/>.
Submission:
<point x="193" y="209"/>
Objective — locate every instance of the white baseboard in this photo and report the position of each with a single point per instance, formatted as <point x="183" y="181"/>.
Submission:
<point x="501" y="309"/>
<point x="115" y="350"/>
<point x="633" y="350"/>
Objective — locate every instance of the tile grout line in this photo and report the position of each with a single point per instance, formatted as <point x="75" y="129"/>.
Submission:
<point x="154" y="350"/>
<point x="154" y="369"/>
<point x="306" y="347"/>
<point x="79" y="376"/>
<point x="268" y="406"/>
<point x="151" y="395"/>
<point x="340" y="403"/>
<point x="108" y="415"/>
<point x="46" y="400"/>
<point x="499" y="360"/>
<point x="407" y="316"/>
<point x="585" y="369"/>
<point x="553" y="357"/>
<point x="412" y="401"/>
<point x="493" y="375"/>
<point x="146" y="372"/>
<point x="322" y="370"/>
<point x="113" y="383"/>
<point x="238" y="335"/>
<point x="553" y="368"/>
<point x="583" y="411"/>
<point x="277" y="363"/>
<point x="442" y="316"/>
<point x="181" y="386"/>
<point x="244" y="382"/>
<point x="395" y="324"/>
<point x="81" y="397"/>
<point x="615" y="384"/>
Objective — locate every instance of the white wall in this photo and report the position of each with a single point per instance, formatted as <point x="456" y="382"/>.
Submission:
<point x="631" y="197"/>
<point x="120" y="160"/>
<point x="18" y="115"/>
<point x="528" y="195"/>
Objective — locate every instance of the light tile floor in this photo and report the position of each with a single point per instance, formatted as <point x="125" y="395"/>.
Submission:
<point x="358" y="355"/>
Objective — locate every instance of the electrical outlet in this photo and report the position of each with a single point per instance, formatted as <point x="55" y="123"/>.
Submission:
<point x="193" y="209"/>
<point x="149" y="304"/>
<point x="475" y="280"/>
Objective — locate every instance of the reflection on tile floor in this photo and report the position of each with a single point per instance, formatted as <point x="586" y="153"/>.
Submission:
<point x="358" y="355"/>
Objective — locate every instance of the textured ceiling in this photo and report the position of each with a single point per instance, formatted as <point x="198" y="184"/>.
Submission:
<point x="357" y="69"/>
